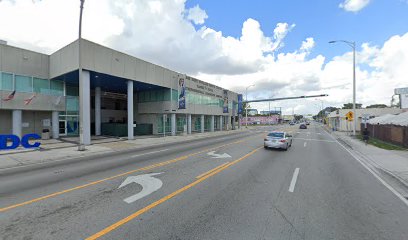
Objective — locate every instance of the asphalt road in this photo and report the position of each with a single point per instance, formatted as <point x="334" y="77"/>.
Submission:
<point x="315" y="190"/>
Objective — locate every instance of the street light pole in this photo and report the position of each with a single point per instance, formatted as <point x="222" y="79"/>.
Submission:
<point x="246" y="106"/>
<point x="81" y="146"/>
<point x="353" y="46"/>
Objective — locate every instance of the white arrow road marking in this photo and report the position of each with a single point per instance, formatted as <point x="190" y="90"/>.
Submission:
<point x="214" y="155"/>
<point x="294" y="179"/>
<point x="304" y="145"/>
<point x="149" y="185"/>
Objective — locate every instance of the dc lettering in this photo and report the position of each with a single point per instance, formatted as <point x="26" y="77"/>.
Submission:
<point x="16" y="141"/>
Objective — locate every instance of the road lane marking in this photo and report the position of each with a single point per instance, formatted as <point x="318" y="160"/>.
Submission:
<point x="304" y="145"/>
<point x="395" y="192"/>
<point x="214" y="155"/>
<point x="318" y="140"/>
<point x="164" y="199"/>
<point x="116" y="176"/>
<point x="138" y="155"/>
<point x="149" y="185"/>
<point x="294" y="179"/>
<point x="212" y="170"/>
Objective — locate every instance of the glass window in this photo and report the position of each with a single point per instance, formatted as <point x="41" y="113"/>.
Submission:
<point x="6" y="81"/>
<point x="24" y="83"/>
<point x="41" y="85"/>
<point x="57" y="87"/>
<point x="72" y="105"/>
<point x="72" y="91"/>
<point x="276" y="134"/>
<point x="175" y="95"/>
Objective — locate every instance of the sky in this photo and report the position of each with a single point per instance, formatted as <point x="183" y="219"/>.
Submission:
<point x="279" y="46"/>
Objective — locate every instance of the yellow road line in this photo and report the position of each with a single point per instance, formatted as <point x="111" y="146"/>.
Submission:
<point x="164" y="199"/>
<point x="202" y="175"/>
<point x="113" y="177"/>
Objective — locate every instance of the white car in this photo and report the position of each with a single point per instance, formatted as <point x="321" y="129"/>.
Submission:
<point x="282" y="140"/>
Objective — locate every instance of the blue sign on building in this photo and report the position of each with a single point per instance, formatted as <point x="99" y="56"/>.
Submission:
<point x="16" y="141"/>
<point x="240" y="110"/>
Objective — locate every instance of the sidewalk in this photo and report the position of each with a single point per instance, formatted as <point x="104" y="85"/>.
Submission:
<point x="59" y="150"/>
<point x="391" y="162"/>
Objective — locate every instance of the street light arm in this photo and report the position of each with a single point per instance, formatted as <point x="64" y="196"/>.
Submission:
<point x="351" y="44"/>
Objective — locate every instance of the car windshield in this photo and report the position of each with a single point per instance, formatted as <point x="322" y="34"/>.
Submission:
<point x="276" y="134"/>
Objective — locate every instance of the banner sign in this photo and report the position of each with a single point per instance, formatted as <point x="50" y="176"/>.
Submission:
<point x="16" y="141"/>
<point x="240" y="104"/>
<point x="181" y="93"/>
<point x="225" y="97"/>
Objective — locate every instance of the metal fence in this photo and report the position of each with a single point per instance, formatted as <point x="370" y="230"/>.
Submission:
<point x="397" y="135"/>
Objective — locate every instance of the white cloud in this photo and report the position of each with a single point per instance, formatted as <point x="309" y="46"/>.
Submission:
<point x="197" y="15"/>
<point x="354" y="5"/>
<point x="163" y="33"/>
<point x="308" y="44"/>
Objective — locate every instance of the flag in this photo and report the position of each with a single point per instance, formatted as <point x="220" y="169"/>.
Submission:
<point x="28" y="100"/>
<point x="10" y="97"/>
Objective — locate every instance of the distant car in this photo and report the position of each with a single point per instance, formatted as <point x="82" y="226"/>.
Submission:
<point x="282" y="140"/>
<point x="291" y="123"/>
<point x="303" y="126"/>
<point x="307" y="123"/>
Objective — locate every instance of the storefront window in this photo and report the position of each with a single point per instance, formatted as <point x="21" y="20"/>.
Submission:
<point x="41" y="85"/>
<point x="24" y="83"/>
<point x="6" y="82"/>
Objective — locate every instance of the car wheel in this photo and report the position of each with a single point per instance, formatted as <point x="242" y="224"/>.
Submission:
<point x="265" y="147"/>
<point x="287" y="146"/>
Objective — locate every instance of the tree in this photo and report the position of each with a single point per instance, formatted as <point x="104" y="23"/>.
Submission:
<point x="377" y="106"/>
<point x="395" y="101"/>
<point x="350" y="106"/>
<point x="245" y="106"/>
<point x="322" y="113"/>
<point x="298" y="117"/>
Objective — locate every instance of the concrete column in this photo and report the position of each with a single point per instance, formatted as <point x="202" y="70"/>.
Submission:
<point x="55" y="124"/>
<point x="221" y="123"/>
<point x="239" y="121"/>
<point x="85" y="109"/>
<point x="130" y="109"/>
<point x="202" y="123"/>
<point x="189" y="123"/>
<point x="17" y="122"/>
<point x="173" y="124"/>
<point x="97" y="111"/>
<point x="212" y="123"/>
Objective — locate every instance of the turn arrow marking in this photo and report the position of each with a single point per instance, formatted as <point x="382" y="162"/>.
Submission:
<point x="214" y="155"/>
<point x="149" y="185"/>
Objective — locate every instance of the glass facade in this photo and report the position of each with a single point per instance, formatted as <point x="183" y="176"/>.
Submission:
<point x="160" y="124"/>
<point x="6" y="82"/>
<point x="23" y="83"/>
<point x="181" y="121"/>
<point x="199" y="99"/>
<point x="41" y="85"/>
<point x="56" y="87"/>
<point x="159" y="95"/>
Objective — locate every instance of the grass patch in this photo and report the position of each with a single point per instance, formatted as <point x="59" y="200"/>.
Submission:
<point x="381" y="144"/>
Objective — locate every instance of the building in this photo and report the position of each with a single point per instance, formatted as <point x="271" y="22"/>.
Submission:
<point x="122" y="95"/>
<point x="271" y="112"/>
<point x="337" y="119"/>
<point x="252" y="112"/>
